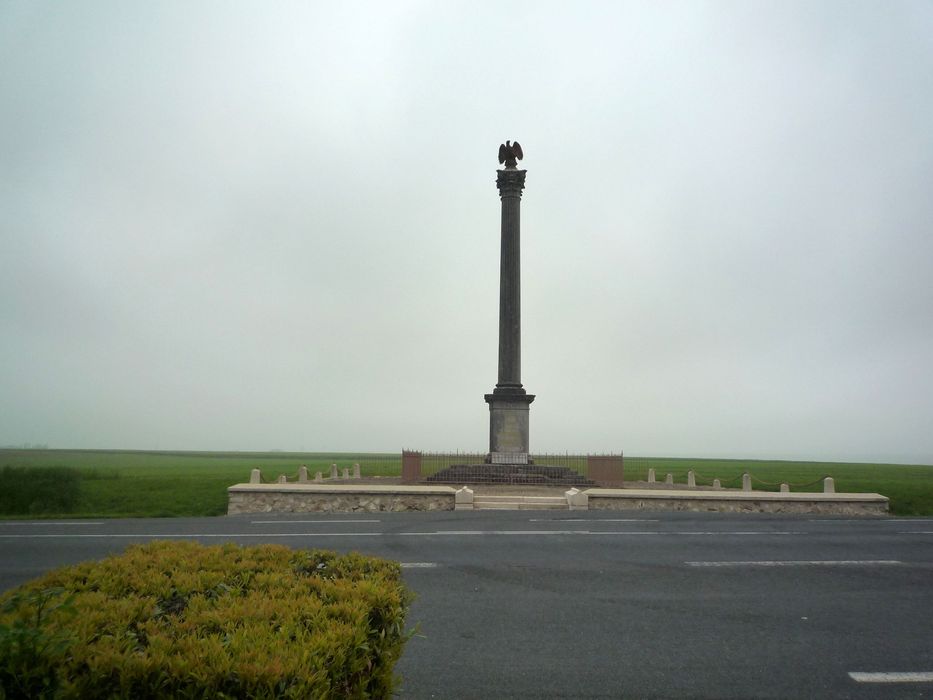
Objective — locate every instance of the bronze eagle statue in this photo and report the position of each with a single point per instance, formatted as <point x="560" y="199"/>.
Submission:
<point x="509" y="152"/>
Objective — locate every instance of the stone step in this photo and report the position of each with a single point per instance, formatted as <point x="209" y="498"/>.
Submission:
<point x="520" y="503"/>
<point x="519" y="506"/>
<point x="496" y="505"/>
<point x="521" y="499"/>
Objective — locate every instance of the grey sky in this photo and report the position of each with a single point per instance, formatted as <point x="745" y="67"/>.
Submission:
<point x="230" y="225"/>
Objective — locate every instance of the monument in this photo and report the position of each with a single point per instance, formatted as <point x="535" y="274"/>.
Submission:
<point x="509" y="403"/>
<point x="508" y="459"/>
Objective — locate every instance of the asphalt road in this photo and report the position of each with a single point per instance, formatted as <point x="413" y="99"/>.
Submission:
<point x="525" y="604"/>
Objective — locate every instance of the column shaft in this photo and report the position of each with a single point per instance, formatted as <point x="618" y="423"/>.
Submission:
<point x="510" y="304"/>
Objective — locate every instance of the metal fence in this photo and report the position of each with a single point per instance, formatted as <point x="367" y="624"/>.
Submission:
<point x="433" y="462"/>
<point x="543" y="468"/>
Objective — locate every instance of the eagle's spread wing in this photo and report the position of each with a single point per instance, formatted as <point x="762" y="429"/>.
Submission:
<point x="503" y="153"/>
<point x="517" y="150"/>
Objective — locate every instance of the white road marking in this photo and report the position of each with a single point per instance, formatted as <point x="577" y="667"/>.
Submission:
<point x="592" y="520"/>
<point x="53" y="522"/>
<point x="915" y="532"/>
<point x="902" y="521"/>
<point x="289" y="522"/>
<point x="908" y="520"/>
<point x="843" y="562"/>
<point x="436" y="533"/>
<point x="898" y="677"/>
<point x="743" y="533"/>
<point x="853" y="520"/>
<point x="182" y="535"/>
<point x="418" y="565"/>
<point x="620" y="533"/>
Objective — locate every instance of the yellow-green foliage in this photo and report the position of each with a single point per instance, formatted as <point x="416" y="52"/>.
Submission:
<point x="178" y="619"/>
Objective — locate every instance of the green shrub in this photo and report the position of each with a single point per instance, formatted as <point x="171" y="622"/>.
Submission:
<point x="25" y="490"/>
<point x="181" y="620"/>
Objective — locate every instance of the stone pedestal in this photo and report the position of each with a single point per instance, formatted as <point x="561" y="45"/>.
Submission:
<point x="508" y="428"/>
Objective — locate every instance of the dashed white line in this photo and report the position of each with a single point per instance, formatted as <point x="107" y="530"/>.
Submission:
<point x="190" y="535"/>
<point x="592" y="520"/>
<point x="908" y="520"/>
<point x="418" y="565"/>
<point x="893" y="677"/>
<point x="742" y="533"/>
<point x="902" y="521"/>
<point x="436" y="533"/>
<point x="852" y="520"/>
<point x="620" y="533"/>
<point x="305" y="522"/>
<point x="818" y="562"/>
<point x="51" y="522"/>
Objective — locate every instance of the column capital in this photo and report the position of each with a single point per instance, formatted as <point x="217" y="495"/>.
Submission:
<point x="510" y="182"/>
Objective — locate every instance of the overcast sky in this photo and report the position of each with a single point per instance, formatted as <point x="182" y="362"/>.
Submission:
<point x="232" y="225"/>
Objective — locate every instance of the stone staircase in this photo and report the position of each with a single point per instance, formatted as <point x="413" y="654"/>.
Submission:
<point x="520" y="503"/>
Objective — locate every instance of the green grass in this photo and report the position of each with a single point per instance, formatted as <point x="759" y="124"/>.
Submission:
<point x="112" y="483"/>
<point x="910" y="487"/>
<point x="116" y="483"/>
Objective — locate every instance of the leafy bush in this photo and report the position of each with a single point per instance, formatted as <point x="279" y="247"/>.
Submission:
<point x="25" y="490"/>
<point x="181" y="620"/>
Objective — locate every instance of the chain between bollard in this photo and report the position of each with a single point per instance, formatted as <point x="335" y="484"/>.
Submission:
<point x="796" y="486"/>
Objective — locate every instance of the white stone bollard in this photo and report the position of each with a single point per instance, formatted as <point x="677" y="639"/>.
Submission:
<point x="829" y="485"/>
<point x="785" y="488"/>
<point x="318" y="476"/>
<point x="356" y="471"/>
<point x="255" y="477"/>
<point x="577" y="499"/>
<point x="463" y="499"/>
<point x="302" y="474"/>
<point x="717" y="484"/>
<point x="333" y="471"/>
<point x="345" y="474"/>
<point x="282" y="479"/>
<point x="746" y="482"/>
<point x="651" y="475"/>
<point x="669" y="479"/>
<point x="691" y="479"/>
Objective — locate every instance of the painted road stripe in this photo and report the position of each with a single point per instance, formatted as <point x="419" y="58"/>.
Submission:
<point x="621" y="533"/>
<point x="289" y="522"/>
<point x="436" y="533"/>
<point x="183" y="535"/>
<point x="418" y="565"/>
<point x="905" y="677"/>
<point x="915" y="532"/>
<point x="843" y="562"/>
<point x="52" y="522"/>
<point x="902" y="521"/>
<point x="853" y="520"/>
<point x="908" y="520"/>
<point x="592" y="520"/>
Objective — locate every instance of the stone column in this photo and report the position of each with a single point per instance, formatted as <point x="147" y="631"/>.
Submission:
<point x="509" y="402"/>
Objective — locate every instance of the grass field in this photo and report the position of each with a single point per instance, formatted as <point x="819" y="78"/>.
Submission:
<point x="110" y="483"/>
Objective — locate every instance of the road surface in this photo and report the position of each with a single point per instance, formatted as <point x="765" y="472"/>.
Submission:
<point x="552" y="604"/>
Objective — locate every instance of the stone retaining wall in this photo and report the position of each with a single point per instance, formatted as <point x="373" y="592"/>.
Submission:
<point x="301" y="498"/>
<point x="855" y="504"/>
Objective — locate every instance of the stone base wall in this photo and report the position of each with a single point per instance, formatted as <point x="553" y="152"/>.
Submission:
<point x="304" y="502"/>
<point x="749" y="505"/>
